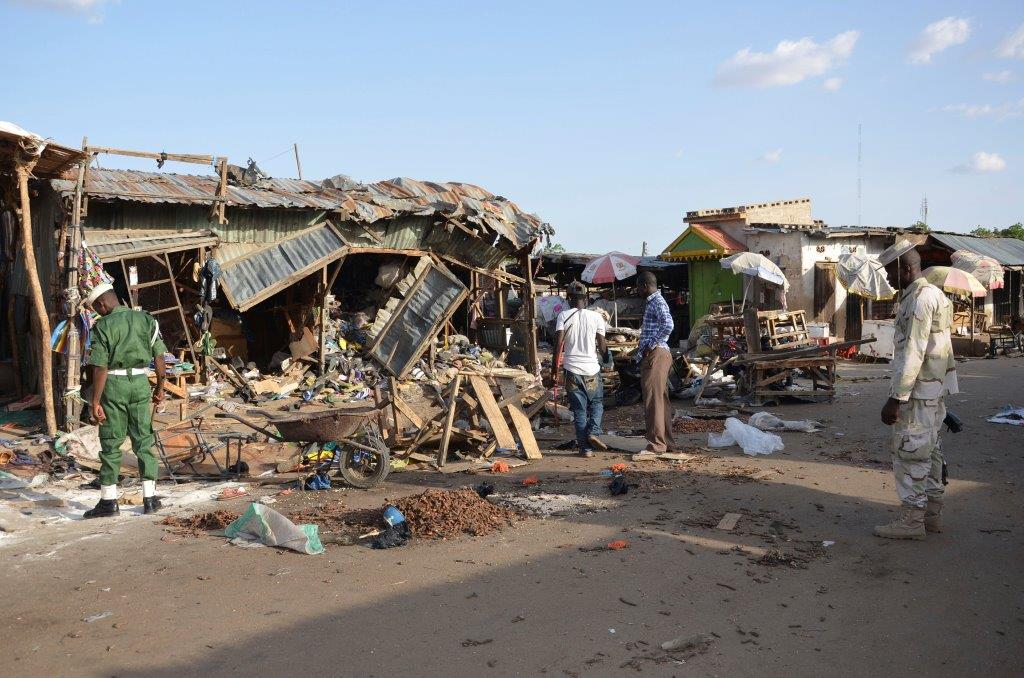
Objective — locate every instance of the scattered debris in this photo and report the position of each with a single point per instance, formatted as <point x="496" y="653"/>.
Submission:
<point x="195" y="525"/>
<point x="1014" y="416"/>
<point x="729" y="521"/>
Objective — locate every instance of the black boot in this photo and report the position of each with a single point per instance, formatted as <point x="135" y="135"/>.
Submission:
<point x="150" y="504"/>
<point x="106" y="507"/>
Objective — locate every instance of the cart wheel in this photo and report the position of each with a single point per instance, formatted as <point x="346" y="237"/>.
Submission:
<point x="364" y="469"/>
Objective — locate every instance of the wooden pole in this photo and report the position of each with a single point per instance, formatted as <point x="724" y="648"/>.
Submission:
<point x="38" y="302"/>
<point x="71" y="409"/>
<point x="298" y="164"/>
<point x="530" y="306"/>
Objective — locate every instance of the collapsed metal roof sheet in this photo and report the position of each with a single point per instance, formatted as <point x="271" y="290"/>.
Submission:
<point x="464" y="203"/>
<point x="251" y="273"/>
<point x="1007" y="251"/>
<point x="113" y="245"/>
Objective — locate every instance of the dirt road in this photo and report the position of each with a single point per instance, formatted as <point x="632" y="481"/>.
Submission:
<point x="545" y="597"/>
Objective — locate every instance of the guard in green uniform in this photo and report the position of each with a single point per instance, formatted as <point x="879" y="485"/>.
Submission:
<point x="122" y="344"/>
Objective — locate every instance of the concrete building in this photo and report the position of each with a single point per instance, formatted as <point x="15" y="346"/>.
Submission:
<point x="785" y="232"/>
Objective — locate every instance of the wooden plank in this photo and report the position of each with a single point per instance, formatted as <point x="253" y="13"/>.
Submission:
<point x="538" y="405"/>
<point x="519" y="420"/>
<point x="729" y="521"/>
<point x="502" y="433"/>
<point x="446" y="435"/>
<point x="409" y="413"/>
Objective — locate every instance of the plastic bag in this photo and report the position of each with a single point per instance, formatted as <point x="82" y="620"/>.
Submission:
<point x="270" y="528"/>
<point x="752" y="440"/>
<point x="769" y="422"/>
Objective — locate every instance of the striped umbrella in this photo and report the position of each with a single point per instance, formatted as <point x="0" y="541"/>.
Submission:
<point x="610" y="267"/>
<point x="955" y="280"/>
<point x="987" y="270"/>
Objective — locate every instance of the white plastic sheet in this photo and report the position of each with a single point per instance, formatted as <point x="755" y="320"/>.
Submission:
<point x="769" y="422"/>
<point x="753" y="441"/>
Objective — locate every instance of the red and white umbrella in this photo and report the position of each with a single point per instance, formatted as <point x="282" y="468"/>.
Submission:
<point x="610" y="267"/>
<point x="987" y="270"/>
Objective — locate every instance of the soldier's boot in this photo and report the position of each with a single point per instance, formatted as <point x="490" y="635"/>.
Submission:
<point x="933" y="516"/>
<point x="105" y="508"/>
<point x="910" y="525"/>
<point x="150" y="504"/>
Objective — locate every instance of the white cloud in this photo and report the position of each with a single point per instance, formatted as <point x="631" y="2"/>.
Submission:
<point x="982" y="163"/>
<point x="939" y="36"/>
<point x="1012" y="46"/>
<point x="790" y="62"/>
<point x="772" y="156"/>
<point x="1000" y="112"/>
<point x="832" y="84"/>
<point x="90" y="9"/>
<point x="1002" y="77"/>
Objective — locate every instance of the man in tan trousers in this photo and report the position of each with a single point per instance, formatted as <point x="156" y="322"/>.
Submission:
<point x="923" y="374"/>
<point x="656" y="361"/>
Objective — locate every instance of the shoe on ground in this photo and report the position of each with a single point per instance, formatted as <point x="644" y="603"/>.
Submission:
<point x="909" y="525"/>
<point x="104" y="509"/>
<point x="933" y="516"/>
<point x="597" y="443"/>
<point x="151" y="504"/>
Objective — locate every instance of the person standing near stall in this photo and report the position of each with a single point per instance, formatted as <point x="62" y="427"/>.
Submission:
<point x="580" y="332"/>
<point x="656" y="360"/>
<point x="123" y="343"/>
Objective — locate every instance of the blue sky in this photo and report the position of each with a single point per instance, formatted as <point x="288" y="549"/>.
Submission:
<point x="608" y="119"/>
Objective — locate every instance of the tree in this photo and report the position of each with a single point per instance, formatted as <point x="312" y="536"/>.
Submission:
<point x="553" y="247"/>
<point x="919" y="226"/>
<point x="1013" y="231"/>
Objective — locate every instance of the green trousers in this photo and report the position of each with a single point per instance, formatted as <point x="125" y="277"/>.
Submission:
<point x="127" y="402"/>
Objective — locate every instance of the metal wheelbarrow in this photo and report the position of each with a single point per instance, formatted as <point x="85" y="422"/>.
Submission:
<point x="362" y="457"/>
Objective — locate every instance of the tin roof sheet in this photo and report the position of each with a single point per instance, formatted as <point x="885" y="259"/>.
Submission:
<point x="470" y="205"/>
<point x="1007" y="251"/>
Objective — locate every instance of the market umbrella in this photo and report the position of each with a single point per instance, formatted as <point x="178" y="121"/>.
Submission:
<point x="955" y="280"/>
<point x="607" y="269"/>
<point x="864" y="276"/>
<point x="610" y="267"/>
<point x="958" y="282"/>
<point x="756" y="266"/>
<point x="987" y="270"/>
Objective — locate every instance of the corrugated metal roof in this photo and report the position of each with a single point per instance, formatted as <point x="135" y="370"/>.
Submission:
<point x="112" y="245"/>
<point x="366" y="203"/>
<point x="251" y="273"/>
<point x="1007" y="251"/>
<point x="719" y="237"/>
<point x="53" y="158"/>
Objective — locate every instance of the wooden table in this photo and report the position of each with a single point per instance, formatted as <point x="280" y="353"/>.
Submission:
<point x="762" y="374"/>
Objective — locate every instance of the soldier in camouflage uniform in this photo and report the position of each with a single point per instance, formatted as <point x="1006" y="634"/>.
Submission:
<point x="123" y="343"/>
<point x="923" y="373"/>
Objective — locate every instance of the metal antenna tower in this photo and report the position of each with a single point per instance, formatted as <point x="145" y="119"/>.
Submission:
<point x="924" y="210"/>
<point x="858" y="173"/>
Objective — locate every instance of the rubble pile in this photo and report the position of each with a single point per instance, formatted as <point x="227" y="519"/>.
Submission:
<point x="442" y="514"/>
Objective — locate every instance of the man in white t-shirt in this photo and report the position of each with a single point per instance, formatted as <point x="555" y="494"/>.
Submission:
<point x="579" y="341"/>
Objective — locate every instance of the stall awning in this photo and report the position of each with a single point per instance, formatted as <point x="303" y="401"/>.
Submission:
<point x="1007" y="251"/>
<point x="702" y="242"/>
<point x="115" y="245"/>
<point x="254" y="272"/>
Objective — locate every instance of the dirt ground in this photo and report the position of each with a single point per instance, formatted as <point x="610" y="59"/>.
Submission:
<point x="545" y="597"/>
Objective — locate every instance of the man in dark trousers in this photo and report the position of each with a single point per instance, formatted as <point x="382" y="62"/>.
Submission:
<point x="580" y="332"/>
<point x="122" y="344"/>
<point x="656" y="361"/>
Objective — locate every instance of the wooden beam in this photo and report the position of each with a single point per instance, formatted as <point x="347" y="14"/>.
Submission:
<point x="23" y="171"/>
<point x="175" y="157"/>
<point x="489" y="406"/>
<point x="446" y="435"/>
<point x="519" y="419"/>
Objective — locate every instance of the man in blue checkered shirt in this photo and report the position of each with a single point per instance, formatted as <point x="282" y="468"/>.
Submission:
<point x="656" y="361"/>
